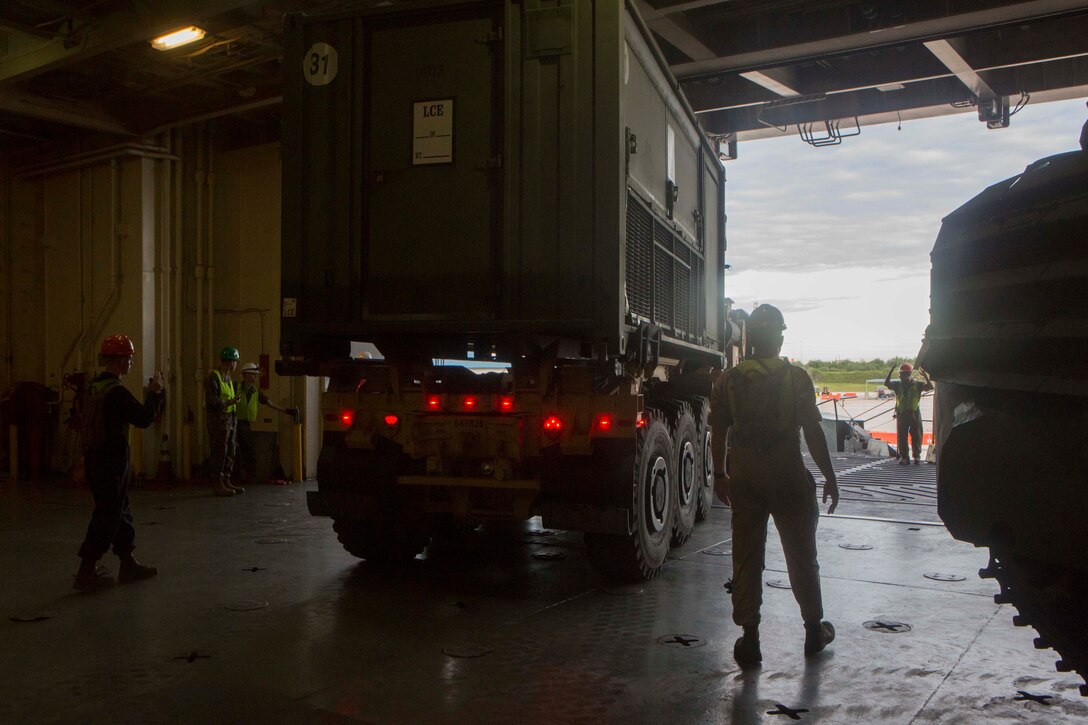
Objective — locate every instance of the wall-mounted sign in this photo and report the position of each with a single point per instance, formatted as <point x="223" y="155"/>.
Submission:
<point x="432" y="132"/>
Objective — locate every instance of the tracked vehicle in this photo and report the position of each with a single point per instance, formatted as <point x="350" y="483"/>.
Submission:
<point x="508" y="182"/>
<point x="1008" y="347"/>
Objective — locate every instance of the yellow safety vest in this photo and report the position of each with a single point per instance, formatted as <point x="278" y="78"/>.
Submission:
<point x="910" y="396"/>
<point x="226" y="392"/>
<point x="248" y="409"/>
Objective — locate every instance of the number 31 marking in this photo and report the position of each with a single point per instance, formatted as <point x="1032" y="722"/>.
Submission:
<point x="319" y="65"/>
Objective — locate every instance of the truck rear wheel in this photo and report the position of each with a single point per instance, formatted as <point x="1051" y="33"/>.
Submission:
<point x="377" y="543"/>
<point x="704" y="497"/>
<point x="689" y="474"/>
<point x="649" y="477"/>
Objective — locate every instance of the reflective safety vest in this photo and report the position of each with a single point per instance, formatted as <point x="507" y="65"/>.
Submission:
<point x="226" y="391"/>
<point x="248" y="408"/>
<point x="909" y="396"/>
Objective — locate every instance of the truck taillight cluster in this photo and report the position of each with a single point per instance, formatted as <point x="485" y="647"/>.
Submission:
<point x="469" y="403"/>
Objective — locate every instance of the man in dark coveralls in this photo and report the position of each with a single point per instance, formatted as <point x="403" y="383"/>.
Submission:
<point x="109" y="410"/>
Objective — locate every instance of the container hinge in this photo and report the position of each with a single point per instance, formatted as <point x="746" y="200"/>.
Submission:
<point x="495" y="162"/>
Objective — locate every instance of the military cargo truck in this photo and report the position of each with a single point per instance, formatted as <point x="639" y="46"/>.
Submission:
<point x="510" y="182"/>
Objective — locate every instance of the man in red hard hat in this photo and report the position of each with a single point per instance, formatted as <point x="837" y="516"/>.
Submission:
<point x="766" y="401"/>
<point x="908" y="413"/>
<point x="108" y="411"/>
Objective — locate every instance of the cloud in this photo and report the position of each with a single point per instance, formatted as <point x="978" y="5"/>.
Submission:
<point x="839" y="238"/>
<point x="876" y="201"/>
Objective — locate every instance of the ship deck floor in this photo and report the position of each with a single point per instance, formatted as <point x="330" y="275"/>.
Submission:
<point x="258" y="616"/>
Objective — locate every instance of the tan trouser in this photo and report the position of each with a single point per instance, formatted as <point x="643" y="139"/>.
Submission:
<point x="773" y="484"/>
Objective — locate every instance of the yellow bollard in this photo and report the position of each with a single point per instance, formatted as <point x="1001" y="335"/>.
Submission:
<point x="13" y="451"/>
<point x="296" y="468"/>
<point x="186" y="441"/>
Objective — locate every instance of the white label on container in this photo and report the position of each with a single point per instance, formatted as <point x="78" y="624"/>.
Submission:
<point x="319" y="64"/>
<point x="671" y="147"/>
<point x="290" y="307"/>
<point x="432" y="132"/>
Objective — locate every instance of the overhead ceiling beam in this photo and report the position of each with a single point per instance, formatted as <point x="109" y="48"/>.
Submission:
<point x="779" y="80"/>
<point x="676" y="30"/>
<point x="36" y="55"/>
<point x="934" y="28"/>
<point x="949" y="53"/>
<point x="85" y="115"/>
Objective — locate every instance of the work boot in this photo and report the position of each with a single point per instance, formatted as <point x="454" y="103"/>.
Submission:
<point x="817" y="636"/>
<point x="132" y="570"/>
<point x="904" y="461"/>
<point x="746" y="649"/>
<point x="90" y="579"/>
<point x="220" y="488"/>
<point x="917" y="460"/>
<point x="231" y="486"/>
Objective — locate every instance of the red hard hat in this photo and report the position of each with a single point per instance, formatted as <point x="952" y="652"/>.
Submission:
<point x="117" y="345"/>
<point x="906" y="368"/>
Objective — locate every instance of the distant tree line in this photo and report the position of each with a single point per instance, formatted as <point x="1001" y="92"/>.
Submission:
<point x="851" y="371"/>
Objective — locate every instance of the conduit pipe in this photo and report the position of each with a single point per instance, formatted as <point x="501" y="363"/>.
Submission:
<point x="90" y="158"/>
<point x="178" y="366"/>
<point x="110" y="304"/>
<point x="211" y="245"/>
<point x="198" y="272"/>
<point x="164" y="259"/>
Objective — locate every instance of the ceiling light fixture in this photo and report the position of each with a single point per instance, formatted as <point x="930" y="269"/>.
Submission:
<point x="178" y="38"/>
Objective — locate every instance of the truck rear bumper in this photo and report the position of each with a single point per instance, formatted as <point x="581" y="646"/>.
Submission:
<point x="346" y="505"/>
<point x="583" y="517"/>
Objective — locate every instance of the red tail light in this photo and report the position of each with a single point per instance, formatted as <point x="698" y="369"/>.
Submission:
<point x="470" y="402"/>
<point x="640" y="422"/>
<point x="434" y="402"/>
<point x="553" y="426"/>
<point x="506" y="403"/>
<point x="347" y="417"/>
<point x="391" y="420"/>
<point x="603" y="422"/>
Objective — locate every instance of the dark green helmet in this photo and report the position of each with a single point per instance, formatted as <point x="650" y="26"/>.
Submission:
<point x="766" y="317"/>
<point x="229" y="353"/>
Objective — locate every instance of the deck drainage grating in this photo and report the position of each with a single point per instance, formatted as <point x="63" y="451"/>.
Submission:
<point x="887" y="626"/>
<point x="32" y="616"/>
<point x="193" y="657"/>
<point x="1024" y="696"/>
<point x="787" y="711"/>
<point x="683" y="641"/>
<point x="939" y="577"/>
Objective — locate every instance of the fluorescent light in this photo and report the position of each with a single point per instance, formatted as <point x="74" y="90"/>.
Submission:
<point x="184" y="36"/>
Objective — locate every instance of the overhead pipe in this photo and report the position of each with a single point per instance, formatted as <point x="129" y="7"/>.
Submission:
<point x="198" y="273"/>
<point x="178" y="377"/>
<point x="114" y="297"/>
<point x="90" y="158"/>
<point x="211" y="244"/>
<point x="77" y="344"/>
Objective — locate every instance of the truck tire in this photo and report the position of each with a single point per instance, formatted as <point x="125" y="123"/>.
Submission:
<point x="689" y="474"/>
<point x="649" y="477"/>
<point x="376" y="543"/>
<point x="704" y="500"/>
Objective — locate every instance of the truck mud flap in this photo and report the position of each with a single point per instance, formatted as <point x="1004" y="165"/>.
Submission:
<point x="344" y="505"/>
<point x="582" y="517"/>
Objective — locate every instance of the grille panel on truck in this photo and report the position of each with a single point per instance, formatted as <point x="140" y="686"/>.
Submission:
<point x="665" y="275"/>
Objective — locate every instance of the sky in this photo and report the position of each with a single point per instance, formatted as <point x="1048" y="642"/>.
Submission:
<point x="839" y="237"/>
